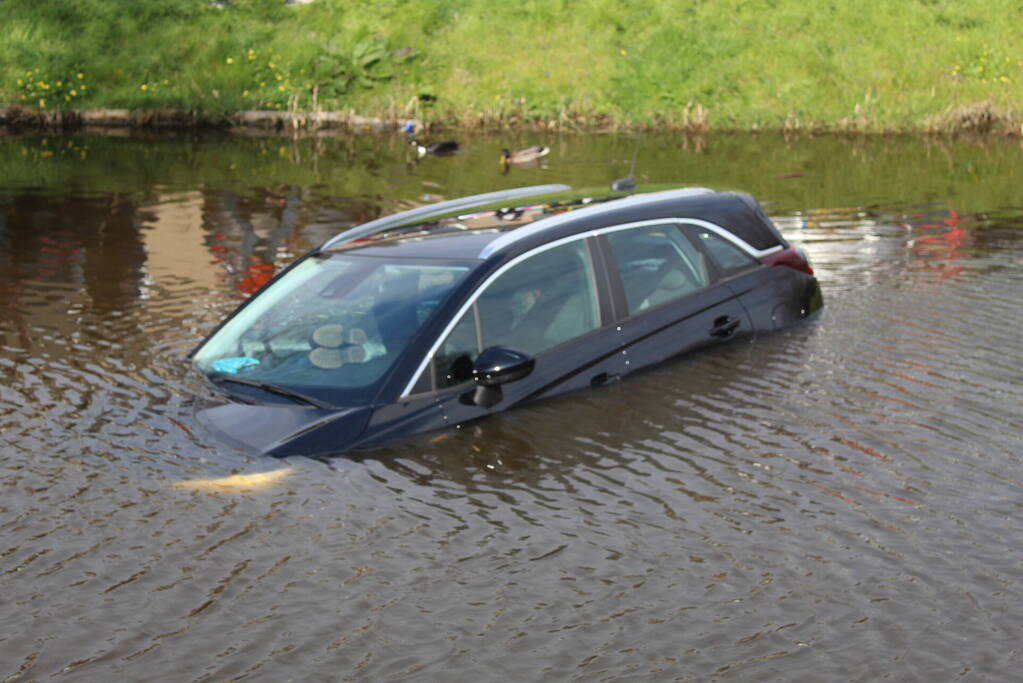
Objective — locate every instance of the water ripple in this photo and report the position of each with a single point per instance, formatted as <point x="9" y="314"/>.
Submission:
<point x="835" y="500"/>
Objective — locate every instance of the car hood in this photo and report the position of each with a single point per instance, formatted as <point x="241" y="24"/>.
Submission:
<point x="281" y="430"/>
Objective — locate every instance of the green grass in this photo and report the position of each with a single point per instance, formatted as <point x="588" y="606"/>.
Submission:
<point x="793" y="64"/>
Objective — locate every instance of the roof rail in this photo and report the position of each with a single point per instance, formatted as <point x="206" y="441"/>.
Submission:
<point x="593" y="210"/>
<point x="397" y="219"/>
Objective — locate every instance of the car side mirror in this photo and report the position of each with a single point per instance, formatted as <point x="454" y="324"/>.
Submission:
<point x="495" y="366"/>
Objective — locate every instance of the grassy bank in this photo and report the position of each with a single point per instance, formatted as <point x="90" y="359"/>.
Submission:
<point x="728" y="64"/>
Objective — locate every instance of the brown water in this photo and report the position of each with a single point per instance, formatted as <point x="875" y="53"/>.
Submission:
<point x="840" y="501"/>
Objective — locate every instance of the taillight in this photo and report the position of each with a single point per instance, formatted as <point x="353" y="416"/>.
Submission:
<point x="793" y="257"/>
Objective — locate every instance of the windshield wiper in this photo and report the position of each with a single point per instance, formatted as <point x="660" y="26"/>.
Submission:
<point x="275" y="389"/>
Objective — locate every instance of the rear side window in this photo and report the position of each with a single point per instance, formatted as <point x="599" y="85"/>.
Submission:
<point x="656" y="264"/>
<point x="728" y="257"/>
<point x="546" y="300"/>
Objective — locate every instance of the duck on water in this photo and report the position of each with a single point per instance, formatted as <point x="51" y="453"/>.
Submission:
<point x="524" y="156"/>
<point x="439" y="149"/>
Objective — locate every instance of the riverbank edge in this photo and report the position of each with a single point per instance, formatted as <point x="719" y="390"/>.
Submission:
<point x="979" y="118"/>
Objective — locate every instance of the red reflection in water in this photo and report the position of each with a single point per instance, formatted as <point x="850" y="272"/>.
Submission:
<point x="940" y="246"/>
<point x="255" y="276"/>
<point x="56" y="255"/>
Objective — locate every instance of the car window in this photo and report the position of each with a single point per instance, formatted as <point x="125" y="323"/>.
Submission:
<point x="656" y="264"/>
<point x="452" y="363"/>
<point x="546" y="300"/>
<point x="541" y="302"/>
<point x="729" y="258"/>
<point x="335" y="323"/>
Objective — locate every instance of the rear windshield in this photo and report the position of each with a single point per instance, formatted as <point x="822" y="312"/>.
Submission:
<point x="332" y="326"/>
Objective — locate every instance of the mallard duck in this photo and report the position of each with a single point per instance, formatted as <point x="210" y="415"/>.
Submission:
<point x="439" y="149"/>
<point x="526" y="155"/>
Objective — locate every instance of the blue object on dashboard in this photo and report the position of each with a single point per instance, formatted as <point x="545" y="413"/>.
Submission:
<point x="231" y="366"/>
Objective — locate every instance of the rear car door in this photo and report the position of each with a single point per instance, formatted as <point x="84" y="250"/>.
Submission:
<point x="668" y="296"/>
<point x="772" y="297"/>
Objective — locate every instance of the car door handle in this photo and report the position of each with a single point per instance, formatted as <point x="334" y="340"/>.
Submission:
<point x="724" y="326"/>
<point x="604" y="379"/>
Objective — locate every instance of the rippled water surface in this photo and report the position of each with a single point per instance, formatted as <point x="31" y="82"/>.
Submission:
<point x="839" y="501"/>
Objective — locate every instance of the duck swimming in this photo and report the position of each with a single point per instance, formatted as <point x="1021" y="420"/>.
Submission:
<point x="526" y="155"/>
<point x="439" y="149"/>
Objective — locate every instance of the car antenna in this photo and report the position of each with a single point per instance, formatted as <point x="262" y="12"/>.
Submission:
<point x="628" y="183"/>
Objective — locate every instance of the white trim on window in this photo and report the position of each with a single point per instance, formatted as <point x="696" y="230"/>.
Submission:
<point x="716" y="229"/>
<point x="545" y="224"/>
<point x="731" y="237"/>
<point x="475" y="295"/>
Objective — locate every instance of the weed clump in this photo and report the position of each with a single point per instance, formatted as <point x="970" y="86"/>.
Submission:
<point x="978" y="118"/>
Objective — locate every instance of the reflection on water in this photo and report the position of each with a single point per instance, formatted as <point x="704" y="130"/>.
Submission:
<point x="838" y="501"/>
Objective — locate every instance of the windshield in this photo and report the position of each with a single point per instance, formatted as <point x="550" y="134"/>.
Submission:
<point x="332" y="326"/>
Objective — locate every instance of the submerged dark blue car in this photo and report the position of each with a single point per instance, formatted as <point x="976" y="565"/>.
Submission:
<point x="447" y="313"/>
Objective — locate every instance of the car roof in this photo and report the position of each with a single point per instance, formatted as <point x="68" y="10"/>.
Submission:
<point x="512" y="221"/>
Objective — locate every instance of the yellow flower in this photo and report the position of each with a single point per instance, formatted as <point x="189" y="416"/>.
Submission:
<point x="74" y="93"/>
<point x="42" y="103"/>
<point x="81" y="76"/>
<point x="622" y="52"/>
<point x="229" y="60"/>
<point x="245" y="93"/>
<point x="166" y="81"/>
<point x="281" y="88"/>
<point x="84" y="88"/>
<point x="20" y="82"/>
<point x="143" y="87"/>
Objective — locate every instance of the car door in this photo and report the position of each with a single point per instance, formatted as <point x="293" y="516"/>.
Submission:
<point x="770" y="296"/>
<point x="669" y="295"/>
<point x="550" y="304"/>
